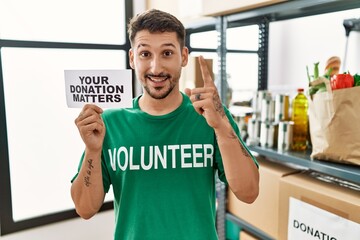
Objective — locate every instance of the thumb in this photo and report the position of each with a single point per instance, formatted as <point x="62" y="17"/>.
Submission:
<point x="187" y="92"/>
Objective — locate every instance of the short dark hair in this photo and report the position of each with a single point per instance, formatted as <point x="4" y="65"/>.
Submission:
<point x="156" y="21"/>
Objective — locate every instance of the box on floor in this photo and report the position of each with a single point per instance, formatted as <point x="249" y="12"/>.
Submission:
<point x="191" y="76"/>
<point x="264" y="212"/>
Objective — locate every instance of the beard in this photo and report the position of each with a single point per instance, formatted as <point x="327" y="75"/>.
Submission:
<point x="162" y="92"/>
<point x="157" y="93"/>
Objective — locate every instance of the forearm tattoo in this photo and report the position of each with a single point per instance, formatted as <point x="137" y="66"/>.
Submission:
<point x="218" y="105"/>
<point x="233" y="135"/>
<point x="245" y="152"/>
<point x="219" y="108"/>
<point x="89" y="168"/>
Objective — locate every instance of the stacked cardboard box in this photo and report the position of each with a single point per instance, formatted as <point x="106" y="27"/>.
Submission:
<point x="294" y="204"/>
<point x="191" y="76"/>
<point x="318" y="209"/>
<point x="264" y="212"/>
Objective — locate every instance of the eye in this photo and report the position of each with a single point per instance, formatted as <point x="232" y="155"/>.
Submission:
<point x="144" y="54"/>
<point x="168" y="53"/>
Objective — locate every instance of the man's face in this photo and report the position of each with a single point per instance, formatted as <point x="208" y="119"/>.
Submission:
<point x="157" y="59"/>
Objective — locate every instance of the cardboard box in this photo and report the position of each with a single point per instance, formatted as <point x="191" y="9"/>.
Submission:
<point x="247" y="236"/>
<point x="191" y="76"/>
<point x="264" y="212"/>
<point x="217" y="8"/>
<point x="319" y="200"/>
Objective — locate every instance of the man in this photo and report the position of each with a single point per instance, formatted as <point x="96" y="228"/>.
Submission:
<point x="161" y="156"/>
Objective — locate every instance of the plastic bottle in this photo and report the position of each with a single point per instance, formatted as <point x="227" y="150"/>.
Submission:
<point x="299" y="116"/>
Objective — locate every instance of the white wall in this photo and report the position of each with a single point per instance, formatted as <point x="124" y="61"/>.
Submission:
<point x="187" y="11"/>
<point x="295" y="43"/>
<point x="101" y="226"/>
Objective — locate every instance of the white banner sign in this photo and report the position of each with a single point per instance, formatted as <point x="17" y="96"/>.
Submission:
<point x="309" y="222"/>
<point x="105" y="88"/>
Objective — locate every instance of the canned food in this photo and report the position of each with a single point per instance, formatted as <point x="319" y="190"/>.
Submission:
<point x="285" y="135"/>
<point x="253" y="129"/>
<point x="267" y="110"/>
<point x="257" y="101"/>
<point x="282" y="103"/>
<point x="268" y="134"/>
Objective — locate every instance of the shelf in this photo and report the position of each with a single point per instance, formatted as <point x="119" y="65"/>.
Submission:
<point x="293" y="9"/>
<point x="248" y="227"/>
<point x="302" y="159"/>
<point x="276" y="12"/>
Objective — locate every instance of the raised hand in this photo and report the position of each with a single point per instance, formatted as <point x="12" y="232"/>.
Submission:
<point x="206" y="100"/>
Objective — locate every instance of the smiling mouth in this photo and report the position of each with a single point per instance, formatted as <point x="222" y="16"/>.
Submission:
<point x="157" y="78"/>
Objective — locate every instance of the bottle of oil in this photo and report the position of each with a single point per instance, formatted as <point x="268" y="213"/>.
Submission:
<point x="300" y="118"/>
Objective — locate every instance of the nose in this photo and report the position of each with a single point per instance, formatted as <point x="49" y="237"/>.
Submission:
<point x="156" y="65"/>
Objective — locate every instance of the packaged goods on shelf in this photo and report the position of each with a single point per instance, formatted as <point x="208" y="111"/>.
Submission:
<point x="282" y="103"/>
<point x="253" y="129"/>
<point x="299" y="116"/>
<point x="268" y="134"/>
<point x="267" y="109"/>
<point x="258" y="101"/>
<point x="335" y="126"/>
<point x="285" y="135"/>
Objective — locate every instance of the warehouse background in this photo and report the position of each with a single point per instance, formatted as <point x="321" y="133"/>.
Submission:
<point x="319" y="37"/>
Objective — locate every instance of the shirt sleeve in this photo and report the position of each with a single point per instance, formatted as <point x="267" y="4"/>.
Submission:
<point x="105" y="175"/>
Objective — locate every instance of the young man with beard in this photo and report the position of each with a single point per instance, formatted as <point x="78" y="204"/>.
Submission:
<point x="161" y="156"/>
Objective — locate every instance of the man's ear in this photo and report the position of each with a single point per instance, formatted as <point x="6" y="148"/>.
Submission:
<point x="185" y="56"/>
<point x="131" y="58"/>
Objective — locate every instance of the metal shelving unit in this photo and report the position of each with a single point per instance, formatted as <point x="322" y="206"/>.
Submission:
<point x="302" y="160"/>
<point x="293" y="9"/>
<point x="263" y="16"/>
<point x="345" y="172"/>
<point x="250" y="228"/>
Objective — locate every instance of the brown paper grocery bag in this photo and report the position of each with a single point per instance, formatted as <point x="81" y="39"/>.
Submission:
<point x="334" y="120"/>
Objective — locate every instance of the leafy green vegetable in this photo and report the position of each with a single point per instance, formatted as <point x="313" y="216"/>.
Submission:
<point x="316" y="70"/>
<point x="318" y="87"/>
<point x="328" y="73"/>
<point x="356" y="80"/>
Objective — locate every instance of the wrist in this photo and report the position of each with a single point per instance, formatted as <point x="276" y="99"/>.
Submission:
<point x="93" y="153"/>
<point x="224" y="129"/>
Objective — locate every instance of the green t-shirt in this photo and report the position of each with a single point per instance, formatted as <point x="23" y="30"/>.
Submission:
<point x="162" y="171"/>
